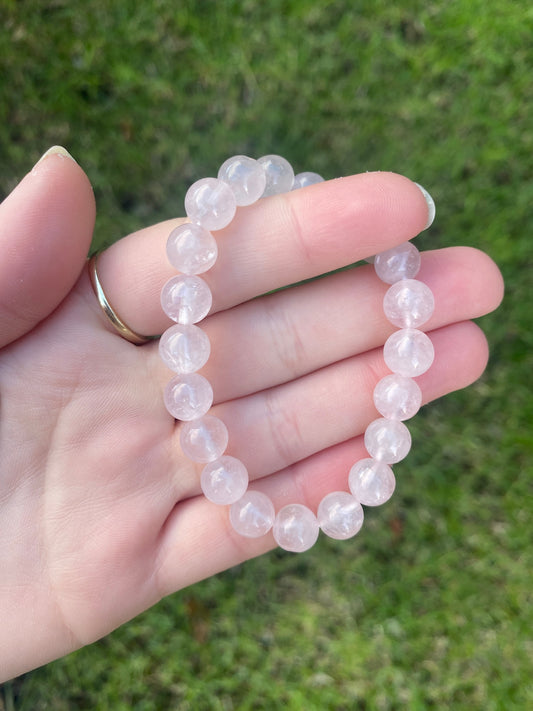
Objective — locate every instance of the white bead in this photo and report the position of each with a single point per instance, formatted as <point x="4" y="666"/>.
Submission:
<point x="372" y="483"/>
<point x="408" y="352"/>
<point x="252" y="515"/>
<point x="401" y="262"/>
<point x="409" y="303"/>
<point x="204" y="439"/>
<point x="245" y="176"/>
<point x="302" y="180"/>
<point x="184" y="348"/>
<point x="340" y="515"/>
<point x="279" y="175"/>
<point x="430" y="203"/>
<point x="397" y="397"/>
<point x="210" y="202"/>
<point x="224" y="481"/>
<point x="387" y="441"/>
<point x="186" y="299"/>
<point x="295" y="528"/>
<point x="188" y="396"/>
<point x="191" y="249"/>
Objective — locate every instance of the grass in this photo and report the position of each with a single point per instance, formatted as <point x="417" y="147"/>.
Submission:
<point x="432" y="606"/>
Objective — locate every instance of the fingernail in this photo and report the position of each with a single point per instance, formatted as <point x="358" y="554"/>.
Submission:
<point x="430" y="203"/>
<point x="55" y="151"/>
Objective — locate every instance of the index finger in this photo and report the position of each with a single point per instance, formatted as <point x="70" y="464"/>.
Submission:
<point x="277" y="241"/>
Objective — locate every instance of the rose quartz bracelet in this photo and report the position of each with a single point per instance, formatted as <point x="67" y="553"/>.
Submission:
<point x="210" y="205"/>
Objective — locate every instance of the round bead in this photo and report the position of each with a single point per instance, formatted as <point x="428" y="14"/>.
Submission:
<point x="191" y="249"/>
<point x="210" y="202"/>
<point x="302" y="180"/>
<point x="186" y="299"/>
<point x="184" y="348"/>
<point x="387" y="441"/>
<point x="188" y="397"/>
<point x="245" y="176"/>
<point x="224" y="481"/>
<point x="295" y="528"/>
<point x="204" y="439"/>
<point x="430" y="203"/>
<point x="409" y="303"/>
<point x="340" y="515"/>
<point x="252" y="515"/>
<point x="279" y="175"/>
<point x="408" y="352"/>
<point x="372" y="483"/>
<point x="401" y="262"/>
<point x="397" y="397"/>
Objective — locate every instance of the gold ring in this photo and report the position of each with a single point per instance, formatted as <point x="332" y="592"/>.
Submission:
<point x="118" y="324"/>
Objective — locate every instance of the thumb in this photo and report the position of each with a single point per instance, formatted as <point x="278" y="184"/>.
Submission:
<point x="46" y="226"/>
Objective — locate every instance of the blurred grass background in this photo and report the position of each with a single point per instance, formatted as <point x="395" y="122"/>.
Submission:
<point x="431" y="606"/>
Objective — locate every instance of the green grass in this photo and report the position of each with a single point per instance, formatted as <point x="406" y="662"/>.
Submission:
<point x="431" y="606"/>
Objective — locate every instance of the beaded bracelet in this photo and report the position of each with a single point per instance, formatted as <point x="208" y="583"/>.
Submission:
<point x="210" y="205"/>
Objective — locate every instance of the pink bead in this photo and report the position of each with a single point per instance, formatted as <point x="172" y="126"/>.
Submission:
<point x="184" y="348"/>
<point x="210" y="202"/>
<point x="401" y="262"/>
<point x="340" y="515"/>
<point x="188" y="397"/>
<point x="409" y="352"/>
<point x="279" y="174"/>
<point x="295" y="528"/>
<point x="186" y="299"/>
<point x="204" y="440"/>
<point x="245" y="176"/>
<point x="397" y="397"/>
<point x="372" y="483"/>
<point x="387" y="441"/>
<point x="224" y="481"/>
<point x="252" y="515"/>
<point x="191" y="249"/>
<point x="409" y="303"/>
<point x="430" y="203"/>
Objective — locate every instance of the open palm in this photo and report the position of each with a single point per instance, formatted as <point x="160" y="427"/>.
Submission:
<point x="100" y="514"/>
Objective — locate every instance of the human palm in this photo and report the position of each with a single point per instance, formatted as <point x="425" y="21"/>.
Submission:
<point x="100" y="513"/>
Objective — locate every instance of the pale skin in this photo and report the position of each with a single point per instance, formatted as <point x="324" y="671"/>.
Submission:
<point x="100" y="514"/>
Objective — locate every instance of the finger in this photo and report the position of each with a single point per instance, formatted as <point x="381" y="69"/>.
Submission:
<point x="282" y="336"/>
<point x="309" y="473"/>
<point x="46" y="226"/>
<point x="278" y="241"/>
<point x="275" y="428"/>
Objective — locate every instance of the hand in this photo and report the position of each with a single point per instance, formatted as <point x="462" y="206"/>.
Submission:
<point x="100" y="514"/>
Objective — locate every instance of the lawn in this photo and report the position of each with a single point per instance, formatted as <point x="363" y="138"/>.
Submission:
<point x="430" y="607"/>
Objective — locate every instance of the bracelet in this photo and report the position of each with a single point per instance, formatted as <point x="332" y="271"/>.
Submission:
<point x="210" y="205"/>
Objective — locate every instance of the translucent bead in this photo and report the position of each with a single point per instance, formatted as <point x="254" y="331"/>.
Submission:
<point x="302" y="180"/>
<point x="401" y="262"/>
<point x="340" y="515"/>
<point x="372" y="483"/>
<point x="408" y="352"/>
<point x="191" y="249"/>
<point x="409" y="303"/>
<point x="430" y="203"/>
<point x="397" y="397"/>
<point x="279" y="175"/>
<point x="184" y="348"/>
<point x="204" y="439"/>
<point x="245" y="176"/>
<point x="295" y="528"/>
<point x="224" y="481"/>
<point x="252" y="515"/>
<point x="210" y="202"/>
<point x="186" y="299"/>
<point x="387" y="441"/>
<point x="188" y="397"/>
